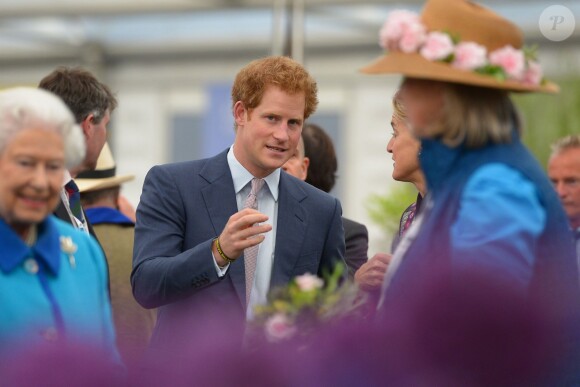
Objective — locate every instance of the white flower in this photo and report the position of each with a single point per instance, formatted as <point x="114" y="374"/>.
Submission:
<point x="307" y="282"/>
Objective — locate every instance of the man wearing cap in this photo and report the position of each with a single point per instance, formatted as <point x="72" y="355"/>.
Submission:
<point x="100" y="194"/>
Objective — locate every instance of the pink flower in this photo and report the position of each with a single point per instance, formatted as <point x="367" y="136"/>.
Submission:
<point x="469" y="56"/>
<point x="438" y="46"/>
<point x="307" y="282"/>
<point x="278" y="327"/>
<point x="533" y="74"/>
<point x="511" y="60"/>
<point x="403" y="31"/>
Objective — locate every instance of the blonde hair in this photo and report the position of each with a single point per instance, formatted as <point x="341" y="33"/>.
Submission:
<point x="476" y="116"/>
<point x="565" y="143"/>
<point x="398" y="108"/>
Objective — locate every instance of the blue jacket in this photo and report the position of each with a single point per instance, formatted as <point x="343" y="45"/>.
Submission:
<point x="54" y="290"/>
<point x="538" y="257"/>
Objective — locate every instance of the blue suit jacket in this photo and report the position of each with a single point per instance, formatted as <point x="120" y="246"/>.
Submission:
<point x="184" y="206"/>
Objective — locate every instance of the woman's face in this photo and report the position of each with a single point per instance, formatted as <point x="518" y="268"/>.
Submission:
<point x="423" y="101"/>
<point x="31" y="176"/>
<point x="405" y="150"/>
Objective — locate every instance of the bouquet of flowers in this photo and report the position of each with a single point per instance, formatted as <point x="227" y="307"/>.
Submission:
<point x="306" y="304"/>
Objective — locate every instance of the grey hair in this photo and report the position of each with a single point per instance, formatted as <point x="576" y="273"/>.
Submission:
<point x="25" y="107"/>
<point x="478" y="116"/>
<point x="565" y="143"/>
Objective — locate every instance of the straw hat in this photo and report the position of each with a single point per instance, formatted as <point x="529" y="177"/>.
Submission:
<point x="491" y="48"/>
<point x="104" y="174"/>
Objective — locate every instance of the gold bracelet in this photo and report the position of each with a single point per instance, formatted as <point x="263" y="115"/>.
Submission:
<point x="221" y="252"/>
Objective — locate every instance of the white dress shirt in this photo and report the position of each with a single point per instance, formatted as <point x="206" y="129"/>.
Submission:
<point x="77" y="223"/>
<point x="267" y="205"/>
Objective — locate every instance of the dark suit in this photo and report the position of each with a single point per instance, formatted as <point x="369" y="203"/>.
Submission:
<point x="183" y="207"/>
<point x="356" y="238"/>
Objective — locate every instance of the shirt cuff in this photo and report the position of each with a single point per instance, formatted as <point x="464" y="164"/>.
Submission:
<point x="221" y="271"/>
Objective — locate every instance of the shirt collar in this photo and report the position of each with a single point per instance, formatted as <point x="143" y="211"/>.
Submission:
<point x="46" y="249"/>
<point x="66" y="178"/>
<point x="241" y="176"/>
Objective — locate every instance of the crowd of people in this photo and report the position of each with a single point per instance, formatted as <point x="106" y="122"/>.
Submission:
<point x="481" y="286"/>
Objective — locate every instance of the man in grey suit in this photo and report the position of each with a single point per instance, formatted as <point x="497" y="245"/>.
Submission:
<point x="193" y="236"/>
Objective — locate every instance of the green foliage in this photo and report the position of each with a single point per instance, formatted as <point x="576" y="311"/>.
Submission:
<point x="549" y="117"/>
<point x="386" y="210"/>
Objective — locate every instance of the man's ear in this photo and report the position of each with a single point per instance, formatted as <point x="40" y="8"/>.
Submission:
<point x="87" y="125"/>
<point x="240" y="113"/>
<point x="305" y="165"/>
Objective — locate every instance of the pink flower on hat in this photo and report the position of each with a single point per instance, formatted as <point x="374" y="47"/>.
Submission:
<point x="511" y="60"/>
<point x="278" y="327"/>
<point x="437" y="46"/>
<point x="403" y="31"/>
<point x="533" y="74"/>
<point x="469" y="56"/>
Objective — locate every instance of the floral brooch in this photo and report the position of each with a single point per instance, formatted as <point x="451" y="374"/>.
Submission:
<point x="68" y="247"/>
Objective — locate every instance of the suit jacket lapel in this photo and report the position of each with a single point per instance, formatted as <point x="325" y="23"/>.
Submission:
<point x="290" y="230"/>
<point x="220" y="201"/>
<point x="62" y="213"/>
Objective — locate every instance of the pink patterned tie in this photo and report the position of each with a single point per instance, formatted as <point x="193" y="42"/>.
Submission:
<point x="251" y="253"/>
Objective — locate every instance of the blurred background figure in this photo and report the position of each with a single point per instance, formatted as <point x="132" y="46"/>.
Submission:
<point x="314" y="161"/>
<point x="53" y="279"/>
<point x="564" y="172"/>
<point x="405" y="149"/>
<point x="100" y="195"/>
<point x="91" y="103"/>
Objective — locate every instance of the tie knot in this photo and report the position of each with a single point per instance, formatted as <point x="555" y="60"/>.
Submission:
<point x="71" y="187"/>
<point x="257" y="185"/>
<point x="252" y="199"/>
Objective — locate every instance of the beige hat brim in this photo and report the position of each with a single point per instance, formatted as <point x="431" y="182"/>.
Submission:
<point x="415" y="66"/>
<point x="108" y="182"/>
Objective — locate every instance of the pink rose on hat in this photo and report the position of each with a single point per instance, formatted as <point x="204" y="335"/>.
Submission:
<point x="403" y="31"/>
<point x="437" y="46"/>
<point x="511" y="60"/>
<point x="533" y="74"/>
<point x="469" y="56"/>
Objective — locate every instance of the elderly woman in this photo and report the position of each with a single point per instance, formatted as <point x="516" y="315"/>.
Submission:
<point x="53" y="282"/>
<point x="491" y="208"/>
